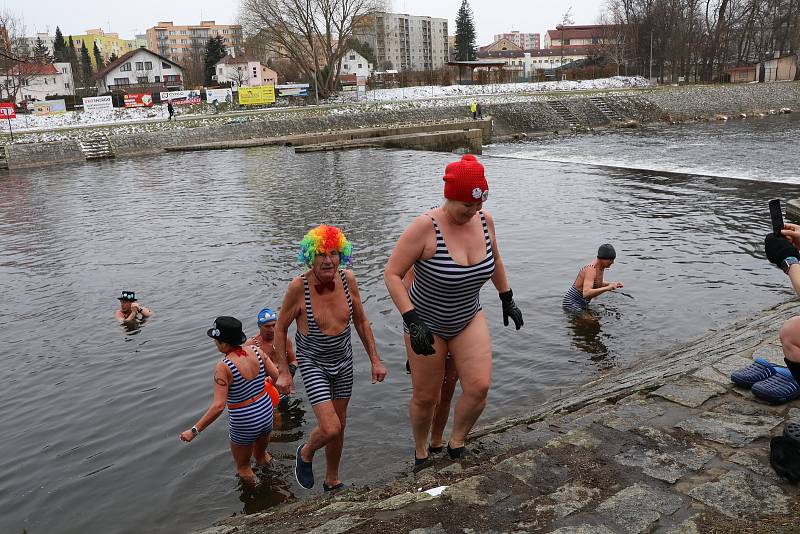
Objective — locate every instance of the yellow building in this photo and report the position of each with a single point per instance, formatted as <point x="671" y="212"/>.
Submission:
<point x="108" y="43"/>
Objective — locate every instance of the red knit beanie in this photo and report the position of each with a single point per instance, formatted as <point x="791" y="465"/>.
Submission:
<point x="464" y="180"/>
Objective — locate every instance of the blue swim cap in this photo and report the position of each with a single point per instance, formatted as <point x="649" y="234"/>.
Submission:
<point x="266" y="316"/>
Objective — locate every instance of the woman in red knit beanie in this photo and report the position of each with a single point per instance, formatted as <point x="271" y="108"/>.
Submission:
<point x="449" y="252"/>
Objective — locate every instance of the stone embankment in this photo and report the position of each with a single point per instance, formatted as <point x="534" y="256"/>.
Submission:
<point x="513" y="116"/>
<point x="670" y="446"/>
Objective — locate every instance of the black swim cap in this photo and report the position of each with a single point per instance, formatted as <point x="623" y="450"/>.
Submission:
<point x="606" y="252"/>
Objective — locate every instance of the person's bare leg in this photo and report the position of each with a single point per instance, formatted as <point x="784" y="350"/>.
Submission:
<point x="333" y="449"/>
<point x="260" y="453"/>
<point x="472" y="354"/>
<point x="241" y="457"/>
<point x="790" y="339"/>
<point x="328" y="428"/>
<point x="427" y="374"/>
<point x="442" y="413"/>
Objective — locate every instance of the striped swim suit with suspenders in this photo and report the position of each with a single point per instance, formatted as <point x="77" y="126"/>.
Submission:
<point x="446" y="294"/>
<point x="325" y="362"/>
<point x="249" y="405"/>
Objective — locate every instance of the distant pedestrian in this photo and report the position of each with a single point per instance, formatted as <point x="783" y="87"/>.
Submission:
<point x="479" y="110"/>
<point x="474" y="109"/>
<point x="170" y="109"/>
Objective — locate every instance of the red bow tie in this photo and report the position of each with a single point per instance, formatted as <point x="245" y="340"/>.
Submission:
<point x="330" y="286"/>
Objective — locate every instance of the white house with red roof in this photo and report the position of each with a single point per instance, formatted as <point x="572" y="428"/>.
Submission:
<point x="140" y="68"/>
<point x="244" y="69"/>
<point x="38" y="81"/>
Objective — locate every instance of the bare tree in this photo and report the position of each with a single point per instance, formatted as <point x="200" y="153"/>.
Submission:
<point x="312" y="34"/>
<point x="17" y="67"/>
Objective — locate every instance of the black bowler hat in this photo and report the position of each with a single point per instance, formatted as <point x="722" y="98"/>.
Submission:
<point x="130" y="296"/>
<point x="228" y="330"/>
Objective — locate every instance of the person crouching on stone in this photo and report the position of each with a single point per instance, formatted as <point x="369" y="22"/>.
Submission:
<point x="453" y="251"/>
<point x="239" y="383"/>
<point x="323" y="302"/>
<point x="589" y="282"/>
<point x="784" y="253"/>
<point x="129" y="309"/>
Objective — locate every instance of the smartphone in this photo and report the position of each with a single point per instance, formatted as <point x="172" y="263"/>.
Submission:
<point x="776" y="216"/>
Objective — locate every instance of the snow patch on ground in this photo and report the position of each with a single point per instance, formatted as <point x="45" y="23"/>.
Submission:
<point x="436" y="91"/>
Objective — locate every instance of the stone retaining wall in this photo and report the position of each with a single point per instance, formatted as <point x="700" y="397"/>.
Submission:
<point x="511" y="114"/>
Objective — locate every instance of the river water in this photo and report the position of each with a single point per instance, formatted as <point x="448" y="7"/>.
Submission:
<point x="93" y="411"/>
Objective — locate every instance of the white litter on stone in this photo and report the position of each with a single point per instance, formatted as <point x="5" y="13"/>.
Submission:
<point x="435" y="492"/>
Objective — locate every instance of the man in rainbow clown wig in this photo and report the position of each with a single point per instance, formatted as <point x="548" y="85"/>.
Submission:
<point x="324" y="302"/>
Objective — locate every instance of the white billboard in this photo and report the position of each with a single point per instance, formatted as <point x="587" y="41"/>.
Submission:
<point x="181" y="97"/>
<point x="97" y="103"/>
<point x="220" y="95"/>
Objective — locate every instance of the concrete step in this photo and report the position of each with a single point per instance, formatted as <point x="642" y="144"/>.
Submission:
<point x="96" y="147"/>
<point x="563" y="112"/>
<point x="601" y="104"/>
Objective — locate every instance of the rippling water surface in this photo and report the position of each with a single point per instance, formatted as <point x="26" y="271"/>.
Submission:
<point x="93" y="411"/>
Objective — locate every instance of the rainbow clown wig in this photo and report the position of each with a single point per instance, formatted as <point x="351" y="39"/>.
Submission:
<point x="324" y="238"/>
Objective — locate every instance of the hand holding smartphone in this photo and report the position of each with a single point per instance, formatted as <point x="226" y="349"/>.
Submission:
<point x="776" y="216"/>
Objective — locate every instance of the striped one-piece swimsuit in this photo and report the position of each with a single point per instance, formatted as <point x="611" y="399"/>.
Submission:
<point x="573" y="299"/>
<point x="326" y="362"/>
<point x="446" y="294"/>
<point x="250" y="422"/>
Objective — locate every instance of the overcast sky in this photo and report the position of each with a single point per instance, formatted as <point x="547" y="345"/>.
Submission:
<point x="127" y="18"/>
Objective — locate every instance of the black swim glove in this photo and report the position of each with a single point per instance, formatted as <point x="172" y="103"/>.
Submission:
<point x="510" y="309"/>
<point x="421" y="337"/>
<point x="778" y="249"/>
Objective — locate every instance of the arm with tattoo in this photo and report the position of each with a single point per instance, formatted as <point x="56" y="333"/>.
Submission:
<point x="222" y="378"/>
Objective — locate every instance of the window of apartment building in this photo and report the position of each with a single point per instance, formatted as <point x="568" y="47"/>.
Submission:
<point x="126" y="67"/>
<point x="139" y="65"/>
<point x="141" y="79"/>
<point x="158" y="79"/>
<point x="148" y="65"/>
<point x="359" y="66"/>
<point x="184" y="41"/>
<point x="66" y="85"/>
<point x="165" y="65"/>
<point x="121" y="81"/>
<point x="173" y="41"/>
<point x="352" y="56"/>
<point x="173" y="32"/>
<point x="183" y="32"/>
<point x="174" y="51"/>
<point x="255" y="72"/>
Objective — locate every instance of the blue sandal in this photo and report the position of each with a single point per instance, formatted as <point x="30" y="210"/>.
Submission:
<point x="777" y="389"/>
<point x="757" y="371"/>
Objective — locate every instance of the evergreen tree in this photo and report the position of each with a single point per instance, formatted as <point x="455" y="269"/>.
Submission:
<point x="465" y="34"/>
<point x="215" y="50"/>
<point x="113" y="57"/>
<point x="59" y="47"/>
<point x="86" y="63"/>
<point x="98" y="57"/>
<point x="72" y="59"/>
<point x="41" y="54"/>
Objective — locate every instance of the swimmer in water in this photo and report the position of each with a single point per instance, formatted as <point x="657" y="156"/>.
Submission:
<point x="129" y="309"/>
<point x="589" y="282"/>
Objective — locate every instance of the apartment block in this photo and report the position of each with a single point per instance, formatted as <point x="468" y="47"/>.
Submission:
<point x="181" y="43"/>
<point x="109" y="44"/>
<point x="526" y="41"/>
<point x="405" y="42"/>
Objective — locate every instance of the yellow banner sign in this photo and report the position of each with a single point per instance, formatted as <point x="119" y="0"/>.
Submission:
<point x="259" y="94"/>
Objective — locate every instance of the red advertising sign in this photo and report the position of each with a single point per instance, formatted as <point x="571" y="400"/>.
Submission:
<point x="7" y="110"/>
<point x="138" y="100"/>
